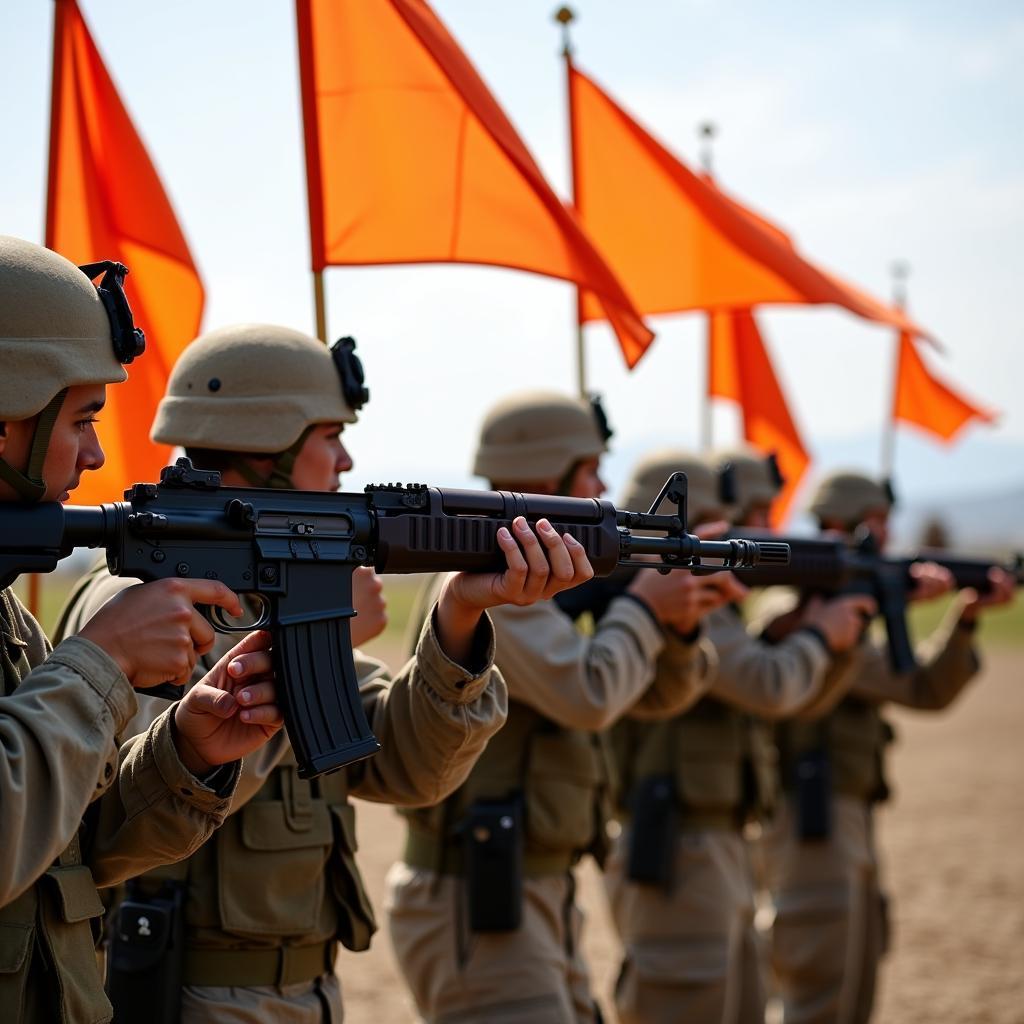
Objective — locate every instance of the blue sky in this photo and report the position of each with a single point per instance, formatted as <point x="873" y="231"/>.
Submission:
<point x="871" y="132"/>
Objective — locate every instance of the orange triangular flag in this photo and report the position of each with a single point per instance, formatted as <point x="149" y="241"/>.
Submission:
<point x="923" y="400"/>
<point x="410" y="159"/>
<point x="676" y="241"/>
<point x="105" y="201"/>
<point x="741" y="370"/>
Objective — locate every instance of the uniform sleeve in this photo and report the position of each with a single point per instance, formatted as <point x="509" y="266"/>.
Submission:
<point x="579" y="681"/>
<point x="947" y="661"/>
<point x="683" y="673"/>
<point x="57" y="732"/>
<point x="158" y="812"/>
<point x="433" y="720"/>
<point x="769" y="680"/>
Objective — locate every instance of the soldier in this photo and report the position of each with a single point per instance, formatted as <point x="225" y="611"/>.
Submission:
<point x="62" y="342"/>
<point x="267" y="900"/>
<point x="679" y="879"/>
<point x="481" y="910"/>
<point x="830" y="926"/>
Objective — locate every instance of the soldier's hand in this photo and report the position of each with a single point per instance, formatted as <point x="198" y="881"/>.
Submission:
<point x="680" y="600"/>
<point x="368" y="601"/>
<point x="1001" y="591"/>
<point x="231" y="711"/>
<point x="535" y="571"/>
<point x="842" y="620"/>
<point x="153" y="630"/>
<point x="930" y="581"/>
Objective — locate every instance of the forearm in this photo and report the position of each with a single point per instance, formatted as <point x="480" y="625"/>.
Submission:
<point x="432" y="721"/>
<point x="947" y="661"/>
<point x="685" y="672"/>
<point x="578" y="681"/>
<point x="57" y="735"/>
<point x="158" y="813"/>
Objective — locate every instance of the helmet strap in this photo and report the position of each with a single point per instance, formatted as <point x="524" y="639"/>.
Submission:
<point x="280" y="475"/>
<point x="30" y="485"/>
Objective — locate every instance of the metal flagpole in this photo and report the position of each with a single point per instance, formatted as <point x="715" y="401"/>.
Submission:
<point x="900" y="271"/>
<point x="565" y="16"/>
<point x="707" y="131"/>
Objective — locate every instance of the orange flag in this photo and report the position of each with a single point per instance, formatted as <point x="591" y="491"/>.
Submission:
<point x="741" y="370"/>
<point x="673" y="238"/>
<point x="923" y="400"/>
<point x="105" y="201"/>
<point x="410" y="159"/>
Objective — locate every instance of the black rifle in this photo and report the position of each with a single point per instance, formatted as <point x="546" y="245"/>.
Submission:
<point x="295" y="552"/>
<point x="829" y="567"/>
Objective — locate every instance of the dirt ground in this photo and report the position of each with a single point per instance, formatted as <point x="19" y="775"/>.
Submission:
<point x="952" y="842"/>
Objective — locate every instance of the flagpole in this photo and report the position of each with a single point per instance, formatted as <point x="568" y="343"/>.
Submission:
<point x="900" y="271"/>
<point x="56" y="76"/>
<point x="565" y="16"/>
<point x="707" y="131"/>
<point x="321" y="305"/>
<point x="311" y="138"/>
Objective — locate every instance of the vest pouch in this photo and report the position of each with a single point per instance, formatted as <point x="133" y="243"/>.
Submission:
<point x="709" y="762"/>
<point x="16" y="942"/>
<point x="857" y="737"/>
<point x="563" y="778"/>
<point x="270" y="868"/>
<point x="145" y="957"/>
<point x="70" y="906"/>
<point x="653" y="831"/>
<point x="356" y="921"/>
<point x="813" y="796"/>
<point x="764" y="762"/>
<point x="492" y="849"/>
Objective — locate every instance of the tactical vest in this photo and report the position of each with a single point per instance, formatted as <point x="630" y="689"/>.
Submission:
<point x="854" y="736"/>
<point x="48" y="966"/>
<point x="561" y="775"/>
<point x="721" y="763"/>
<point x="280" y="872"/>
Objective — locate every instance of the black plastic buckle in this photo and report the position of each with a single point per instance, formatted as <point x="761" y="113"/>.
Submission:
<point x="350" y="372"/>
<point x="129" y="340"/>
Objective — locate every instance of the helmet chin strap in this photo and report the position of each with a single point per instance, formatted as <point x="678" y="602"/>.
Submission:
<point x="280" y="476"/>
<point x="30" y="485"/>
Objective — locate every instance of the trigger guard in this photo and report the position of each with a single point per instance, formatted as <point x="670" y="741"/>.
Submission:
<point x="214" y="614"/>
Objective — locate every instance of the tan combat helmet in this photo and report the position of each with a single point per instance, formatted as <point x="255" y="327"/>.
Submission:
<point x="703" y="500"/>
<point x="258" y="389"/>
<point x="539" y="435"/>
<point x="57" y="330"/>
<point x="848" y="496"/>
<point x="747" y="478"/>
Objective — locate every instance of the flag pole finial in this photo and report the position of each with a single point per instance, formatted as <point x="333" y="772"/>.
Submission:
<point x="707" y="130"/>
<point x="900" y="271"/>
<point x="565" y="16"/>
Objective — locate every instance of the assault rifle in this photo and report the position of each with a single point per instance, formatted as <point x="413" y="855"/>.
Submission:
<point x="828" y="567"/>
<point x="295" y="552"/>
